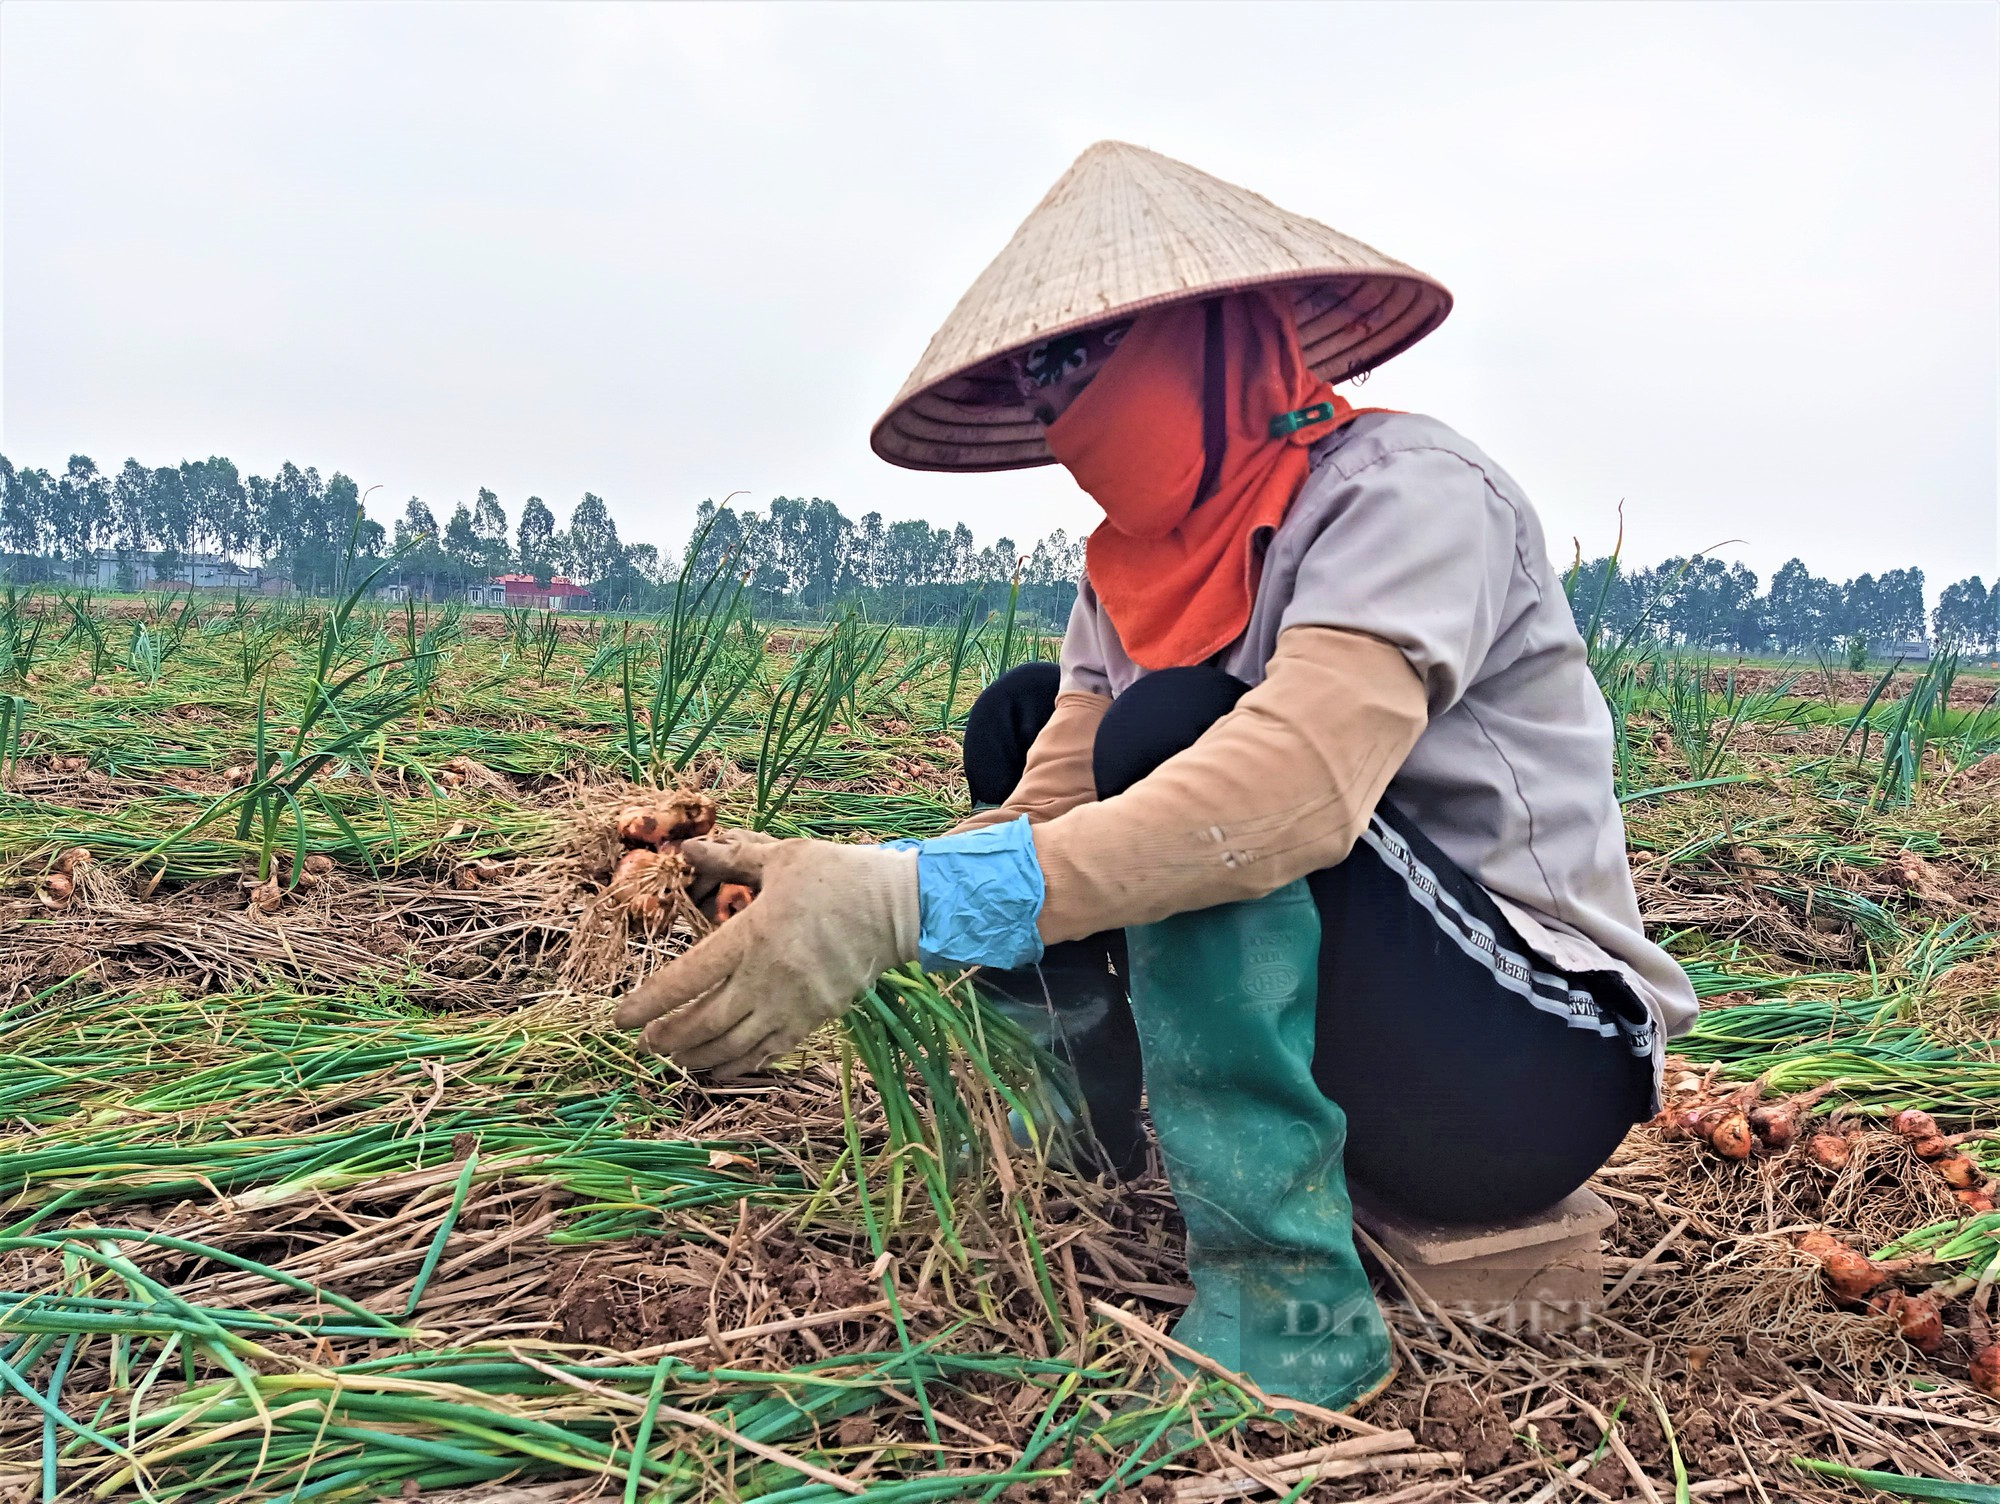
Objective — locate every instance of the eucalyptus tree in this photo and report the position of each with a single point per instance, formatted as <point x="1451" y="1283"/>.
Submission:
<point x="535" y="539"/>
<point x="130" y="494"/>
<point x="418" y="554"/>
<point x="1899" y="595"/>
<point x="489" y="526"/>
<point x="1802" y="610"/>
<point x="81" y="515"/>
<point x="1968" y="616"/>
<point x="23" y="520"/>
<point x="218" y="506"/>
<point x="463" y="551"/>
<point x="169" y="518"/>
<point x="594" y="550"/>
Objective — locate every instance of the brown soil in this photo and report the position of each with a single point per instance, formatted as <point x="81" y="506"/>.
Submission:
<point x="1455" y="1419"/>
<point x="1968" y="692"/>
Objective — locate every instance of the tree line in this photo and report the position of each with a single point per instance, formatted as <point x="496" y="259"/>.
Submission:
<point x="809" y="555"/>
<point x="800" y="556"/>
<point x="1706" y="602"/>
<point x="52" y="524"/>
<point x="806" y="556"/>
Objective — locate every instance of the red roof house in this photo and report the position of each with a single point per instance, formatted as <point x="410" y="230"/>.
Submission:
<point x="514" y="590"/>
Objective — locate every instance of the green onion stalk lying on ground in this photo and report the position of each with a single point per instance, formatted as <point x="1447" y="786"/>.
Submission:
<point x="125" y="1387"/>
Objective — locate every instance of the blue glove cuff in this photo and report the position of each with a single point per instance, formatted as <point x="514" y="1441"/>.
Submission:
<point x="979" y="895"/>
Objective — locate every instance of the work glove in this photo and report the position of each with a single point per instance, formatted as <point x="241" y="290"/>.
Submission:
<point x="828" y="920"/>
<point x="702" y="886"/>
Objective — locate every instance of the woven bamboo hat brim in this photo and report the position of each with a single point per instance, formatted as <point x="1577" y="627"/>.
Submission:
<point x="1124" y="230"/>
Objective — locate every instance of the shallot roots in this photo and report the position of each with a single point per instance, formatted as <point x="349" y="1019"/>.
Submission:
<point x="1966" y="1177"/>
<point x="651" y="879"/>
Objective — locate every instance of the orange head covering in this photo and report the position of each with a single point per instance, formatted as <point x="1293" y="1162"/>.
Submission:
<point x="1174" y="440"/>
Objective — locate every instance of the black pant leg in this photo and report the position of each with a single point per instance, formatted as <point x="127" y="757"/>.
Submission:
<point x="1162" y="715"/>
<point x="1002" y="724"/>
<point x="1074" y="1000"/>
<point x="1000" y="728"/>
<point x="1478" y="1083"/>
<point x="1468" y="1098"/>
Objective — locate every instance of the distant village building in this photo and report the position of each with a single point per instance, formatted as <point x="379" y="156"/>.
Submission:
<point x="150" y="569"/>
<point x="519" y="590"/>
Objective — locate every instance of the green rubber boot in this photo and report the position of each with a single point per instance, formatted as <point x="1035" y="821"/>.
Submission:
<point x="1226" y="1002"/>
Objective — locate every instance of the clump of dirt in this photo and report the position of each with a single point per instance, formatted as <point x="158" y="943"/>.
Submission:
<point x="621" y="1305"/>
<point x="1457" y="1420"/>
<point x="1608" y="1476"/>
<point x="1087" y="1469"/>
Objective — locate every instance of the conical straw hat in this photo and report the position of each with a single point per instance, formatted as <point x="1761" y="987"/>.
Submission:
<point x="1127" y="229"/>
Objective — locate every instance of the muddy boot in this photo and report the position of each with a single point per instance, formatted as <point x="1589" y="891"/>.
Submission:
<point x="1073" y="1004"/>
<point x="1225" y="1001"/>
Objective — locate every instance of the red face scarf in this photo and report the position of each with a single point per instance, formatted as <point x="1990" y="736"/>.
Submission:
<point x="1186" y="484"/>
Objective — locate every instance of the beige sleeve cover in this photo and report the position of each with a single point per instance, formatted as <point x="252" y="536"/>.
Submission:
<point x="1280" y="787"/>
<point x="1058" y="774"/>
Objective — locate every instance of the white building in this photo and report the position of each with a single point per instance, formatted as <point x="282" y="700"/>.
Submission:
<point x="148" y="569"/>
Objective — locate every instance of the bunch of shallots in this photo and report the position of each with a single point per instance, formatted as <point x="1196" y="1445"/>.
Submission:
<point x="1742" y="1123"/>
<point x="1857" y="1280"/>
<point x="652" y="875"/>
<point x="268" y="896"/>
<point x="1968" y="1182"/>
<point x="60" y="885"/>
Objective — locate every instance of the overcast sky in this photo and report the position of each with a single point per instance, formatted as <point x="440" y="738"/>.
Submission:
<point x="1735" y="265"/>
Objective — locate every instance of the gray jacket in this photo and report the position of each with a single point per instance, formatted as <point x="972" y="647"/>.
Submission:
<point x="1406" y="531"/>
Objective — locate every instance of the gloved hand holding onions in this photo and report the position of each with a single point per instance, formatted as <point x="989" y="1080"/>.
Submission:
<point x="828" y="920"/>
<point x="1311" y="835"/>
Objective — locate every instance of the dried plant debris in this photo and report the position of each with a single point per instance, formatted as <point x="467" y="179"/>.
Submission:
<point x="325" y="1175"/>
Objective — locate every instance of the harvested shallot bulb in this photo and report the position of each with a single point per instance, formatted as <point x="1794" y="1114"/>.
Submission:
<point x="1851" y="1275"/>
<point x="678" y="817"/>
<point x="1984" y="1370"/>
<point x="1776" y="1124"/>
<point x="1960" y="1173"/>
<point x="1729" y="1133"/>
<point x="1914" y="1124"/>
<point x="1918" y="1320"/>
<point x="732" y="899"/>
